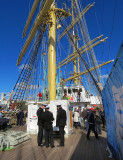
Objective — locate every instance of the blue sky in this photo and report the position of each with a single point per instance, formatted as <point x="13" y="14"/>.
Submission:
<point x="13" y="16"/>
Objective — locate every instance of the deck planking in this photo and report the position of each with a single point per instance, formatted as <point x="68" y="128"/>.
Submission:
<point x="77" y="147"/>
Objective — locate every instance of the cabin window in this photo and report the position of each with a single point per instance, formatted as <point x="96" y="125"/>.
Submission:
<point x="75" y="90"/>
<point x="80" y="90"/>
<point x="65" y="91"/>
<point x="69" y="91"/>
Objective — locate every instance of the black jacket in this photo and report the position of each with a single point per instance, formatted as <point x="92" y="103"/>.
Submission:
<point x="17" y="115"/>
<point x="47" y="119"/>
<point x="61" y="118"/>
<point x="40" y="115"/>
<point x="21" y="114"/>
<point x="90" y="117"/>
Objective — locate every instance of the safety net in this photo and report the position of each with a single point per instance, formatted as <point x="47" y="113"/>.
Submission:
<point x="112" y="97"/>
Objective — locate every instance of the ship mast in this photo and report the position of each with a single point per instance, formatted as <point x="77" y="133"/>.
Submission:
<point x="54" y="12"/>
<point x="74" y="51"/>
<point x="52" y="54"/>
<point x="89" y="44"/>
<point x="48" y="15"/>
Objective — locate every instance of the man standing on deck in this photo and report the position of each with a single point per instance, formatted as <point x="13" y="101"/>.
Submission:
<point x="61" y="122"/>
<point x="48" y="118"/>
<point x="40" y="113"/>
<point x="21" y="116"/>
<point x="17" y="115"/>
<point x="91" y="123"/>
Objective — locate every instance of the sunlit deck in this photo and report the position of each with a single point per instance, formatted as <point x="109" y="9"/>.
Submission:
<point x="77" y="147"/>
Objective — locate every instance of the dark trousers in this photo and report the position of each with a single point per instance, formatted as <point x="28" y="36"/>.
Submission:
<point x="20" y="121"/>
<point x="17" y="121"/>
<point x="92" y="127"/>
<point x="40" y="135"/>
<point x="49" y="137"/>
<point x="76" y="124"/>
<point x="61" y="132"/>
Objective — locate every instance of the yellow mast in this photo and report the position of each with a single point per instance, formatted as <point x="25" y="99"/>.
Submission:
<point x="52" y="54"/>
<point x="74" y="62"/>
<point x="46" y="15"/>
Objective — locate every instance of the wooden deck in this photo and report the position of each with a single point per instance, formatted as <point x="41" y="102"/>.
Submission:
<point x="77" y="147"/>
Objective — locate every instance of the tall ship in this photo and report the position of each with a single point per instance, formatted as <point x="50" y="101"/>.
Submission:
<point x="58" y="61"/>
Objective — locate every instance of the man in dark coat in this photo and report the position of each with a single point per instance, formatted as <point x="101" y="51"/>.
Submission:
<point x="21" y="116"/>
<point x="48" y="118"/>
<point x="40" y="125"/>
<point x="91" y="123"/>
<point x="17" y="115"/>
<point x="61" y="122"/>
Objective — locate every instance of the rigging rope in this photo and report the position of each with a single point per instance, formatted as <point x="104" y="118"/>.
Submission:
<point x="87" y="39"/>
<point x="83" y="60"/>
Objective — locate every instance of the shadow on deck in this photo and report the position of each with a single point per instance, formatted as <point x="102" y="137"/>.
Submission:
<point x="77" y="147"/>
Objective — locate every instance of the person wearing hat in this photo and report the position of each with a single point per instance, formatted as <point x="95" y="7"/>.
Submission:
<point x="61" y="122"/>
<point x="91" y="123"/>
<point x="40" y="113"/>
<point x="48" y="118"/>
